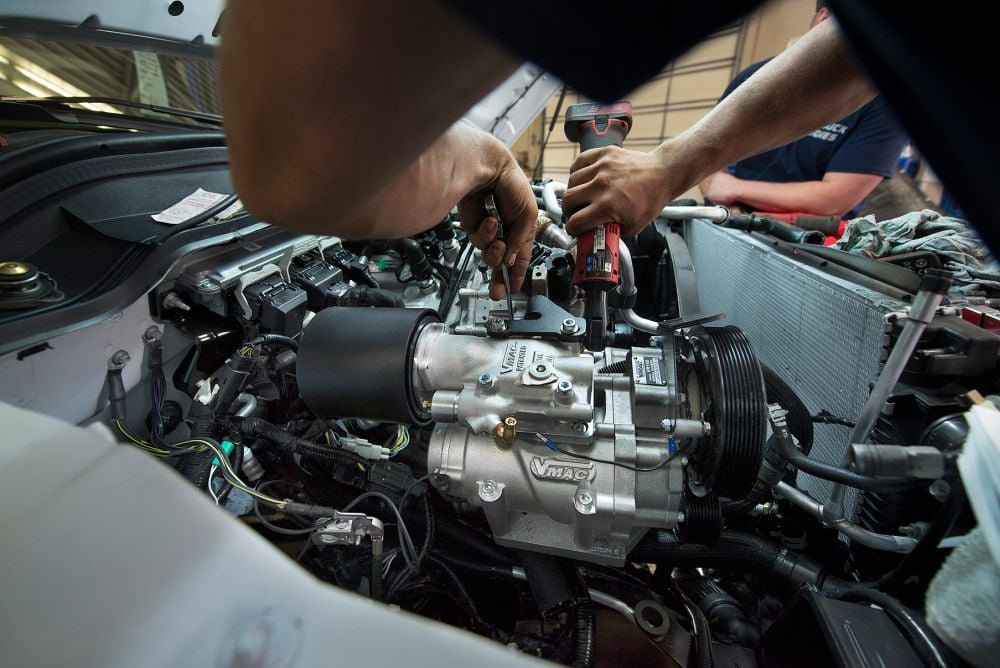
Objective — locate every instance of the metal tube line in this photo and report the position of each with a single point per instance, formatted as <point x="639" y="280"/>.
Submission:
<point x="921" y="312"/>
<point x="550" y="196"/>
<point x="877" y="541"/>
<point x="627" y="277"/>
<point x="716" y="214"/>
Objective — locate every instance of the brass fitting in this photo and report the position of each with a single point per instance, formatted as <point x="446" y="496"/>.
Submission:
<point x="506" y="431"/>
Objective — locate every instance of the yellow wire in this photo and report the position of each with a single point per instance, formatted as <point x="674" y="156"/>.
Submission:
<point x="138" y="442"/>
<point x="228" y="472"/>
<point x="232" y="477"/>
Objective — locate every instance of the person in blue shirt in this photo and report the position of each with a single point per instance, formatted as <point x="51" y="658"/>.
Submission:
<point x="829" y="172"/>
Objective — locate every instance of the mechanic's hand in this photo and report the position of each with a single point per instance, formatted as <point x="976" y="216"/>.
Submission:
<point x="616" y="185"/>
<point x="721" y="188"/>
<point x="515" y="201"/>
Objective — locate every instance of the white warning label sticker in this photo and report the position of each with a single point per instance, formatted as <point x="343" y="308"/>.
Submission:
<point x="600" y="238"/>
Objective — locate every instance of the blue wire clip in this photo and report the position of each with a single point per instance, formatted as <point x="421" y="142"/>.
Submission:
<point x="549" y="443"/>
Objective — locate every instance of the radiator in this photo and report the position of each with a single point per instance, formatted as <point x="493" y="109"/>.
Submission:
<point x="822" y="334"/>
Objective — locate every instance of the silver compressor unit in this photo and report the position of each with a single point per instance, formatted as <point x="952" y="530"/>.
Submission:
<point x="564" y="454"/>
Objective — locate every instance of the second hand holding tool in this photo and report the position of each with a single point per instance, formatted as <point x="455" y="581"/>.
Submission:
<point x="593" y="126"/>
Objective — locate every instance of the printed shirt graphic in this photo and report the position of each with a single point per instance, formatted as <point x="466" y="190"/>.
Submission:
<point x="868" y="141"/>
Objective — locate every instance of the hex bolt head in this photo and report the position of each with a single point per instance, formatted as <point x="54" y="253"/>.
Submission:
<point x="342" y="524"/>
<point x="940" y="489"/>
<point x="486" y="381"/>
<point x="585" y="499"/>
<point x="666" y="424"/>
<point x="569" y="326"/>
<point x="565" y="388"/>
<point x="580" y="427"/>
<point x="488" y="487"/>
<point x="497" y="325"/>
<point x="680" y="518"/>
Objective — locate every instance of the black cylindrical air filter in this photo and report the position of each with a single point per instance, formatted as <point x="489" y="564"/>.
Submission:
<point x="358" y="363"/>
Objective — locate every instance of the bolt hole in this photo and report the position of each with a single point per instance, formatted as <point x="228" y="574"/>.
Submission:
<point x="175" y="8"/>
<point x="652" y="617"/>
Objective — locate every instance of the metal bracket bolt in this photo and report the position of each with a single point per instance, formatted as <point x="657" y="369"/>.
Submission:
<point x="569" y="326"/>
<point x="496" y="325"/>
<point x="487" y="381"/>
<point x="565" y="388"/>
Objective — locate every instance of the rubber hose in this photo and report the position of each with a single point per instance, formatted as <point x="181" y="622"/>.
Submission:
<point x="477" y="567"/>
<point x="835" y="473"/>
<point x="792" y="234"/>
<point x="547" y="582"/>
<point x="723" y="612"/>
<point x="444" y="231"/>
<point x="731" y="508"/>
<point x="420" y="267"/>
<point x="828" y="225"/>
<point x="734" y="551"/>
<point x="924" y="641"/>
<point x="584" y="622"/>
<point x="799" y="419"/>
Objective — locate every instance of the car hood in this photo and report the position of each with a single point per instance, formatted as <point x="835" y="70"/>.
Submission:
<point x="192" y="29"/>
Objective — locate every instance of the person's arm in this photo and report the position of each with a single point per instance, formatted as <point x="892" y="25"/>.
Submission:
<point x="811" y="84"/>
<point x="834" y="195"/>
<point x="338" y="115"/>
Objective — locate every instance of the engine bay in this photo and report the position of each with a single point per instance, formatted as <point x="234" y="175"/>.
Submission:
<point x="367" y="408"/>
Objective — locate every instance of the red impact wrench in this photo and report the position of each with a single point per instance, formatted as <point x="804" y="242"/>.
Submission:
<point x="593" y="126"/>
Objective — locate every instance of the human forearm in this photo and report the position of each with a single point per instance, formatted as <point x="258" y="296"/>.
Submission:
<point x="834" y="195"/>
<point x="807" y="196"/>
<point x="319" y="122"/>
<point x="813" y="83"/>
<point x="461" y="161"/>
<point x="808" y="86"/>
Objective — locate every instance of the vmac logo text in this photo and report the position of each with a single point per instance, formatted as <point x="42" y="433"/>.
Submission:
<point x="559" y="469"/>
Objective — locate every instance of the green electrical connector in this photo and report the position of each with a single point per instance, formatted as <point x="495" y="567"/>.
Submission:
<point x="227" y="447"/>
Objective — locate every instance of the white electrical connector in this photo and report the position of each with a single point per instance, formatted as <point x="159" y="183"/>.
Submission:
<point x="363" y="448"/>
